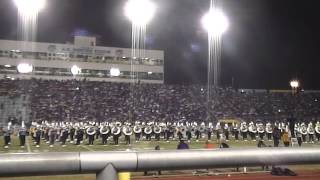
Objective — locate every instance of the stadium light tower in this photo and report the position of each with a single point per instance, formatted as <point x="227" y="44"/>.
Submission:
<point x="30" y="7"/>
<point x="294" y="85"/>
<point x="24" y="68"/>
<point x="215" y="22"/>
<point x="75" y="70"/>
<point x="140" y="12"/>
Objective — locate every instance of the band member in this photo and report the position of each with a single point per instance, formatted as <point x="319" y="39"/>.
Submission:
<point x="127" y="131"/>
<point x="104" y="131"/>
<point x="189" y="134"/>
<point x="147" y="132"/>
<point x="260" y="130"/>
<point x="79" y="133"/>
<point x="37" y="136"/>
<point x="276" y="136"/>
<point x="63" y="137"/>
<point x="197" y="133"/>
<point x="72" y="131"/>
<point x="317" y="130"/>
<point x="310" y="130"/>
<point x="236" y="131"/>
<point x="52" y="136"/>
<point x="218" y="130"/>
<point x="226" y="131"/>
<point x="269" y="131"/>
<point x="304" y="132"/>
<point x="91" y="132"/>
<point x="22" y="135"/>
<point x="209" y="133"/>
<point x="7" y="136"/>
<point x="244" y="131"/>
<point x="46" y="134"/>
<point x="98" y="133"/>
<point x="157" y="132"/>
<point x="137" y="132"/>
<point x="116" y="134"/>
<point x="252" y="131"/>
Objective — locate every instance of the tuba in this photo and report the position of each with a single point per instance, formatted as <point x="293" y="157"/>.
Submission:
<point x="260" y="128"/>
<point x="269" y="129"/>
<point x="310" y="129"/>
<point x="104" y="130"/>
<point x="91" y="130"/>
<point x="303" y="130"/>
<point x="127" y="131"/>
<point x="148" y="130"/>
<point x="137" y="129"/>
<point x="317" y="129"/>
<point x="244" y="128"/>
<point x="157" y="129"/>
<point x="115" y="130"/>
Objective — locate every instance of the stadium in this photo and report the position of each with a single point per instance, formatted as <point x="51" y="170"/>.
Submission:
<point x="80" y="108"/>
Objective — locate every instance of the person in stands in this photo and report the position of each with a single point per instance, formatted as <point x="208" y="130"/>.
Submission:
<point x="208" y="145"/>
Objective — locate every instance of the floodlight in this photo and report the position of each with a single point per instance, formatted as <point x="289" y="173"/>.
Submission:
<point x="7" y="65"/>
<point x="149" y="72"/>
<point x="30" y="7"/>
<point x="215" y="22"/>
<point x="140" y="12"/>
<point x="75" y="70"/>
<point x="114" y="72"/>
<point x="24" y="68"/>
<point x="294" y="84"/>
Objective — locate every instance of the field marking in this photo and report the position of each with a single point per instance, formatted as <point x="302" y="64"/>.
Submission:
<point x="28" y="145"/>
<point x="87" y="148"/>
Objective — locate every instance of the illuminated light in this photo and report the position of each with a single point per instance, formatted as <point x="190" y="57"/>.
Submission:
<point x="24" y="68"/>
<point x="134" y="57"/>
<point x="316" y="100"/>
<point x="294" y="84"/>
<point x="114" y="72"/>
<point x="215" y="22"/>
<point x="75" y="70"/>
<point x="7" y="65"/>
<point x="124" y="57"/>
<point x="30" y="7"/>
<point x="140" y="12"/>
<point x="279" y="110"/>
<point x="149" y="73"/>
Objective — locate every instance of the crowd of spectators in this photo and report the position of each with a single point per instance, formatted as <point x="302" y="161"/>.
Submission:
<point x="72" y="100"/>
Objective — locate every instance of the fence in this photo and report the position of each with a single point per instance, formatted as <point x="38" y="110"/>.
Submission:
<point x="106" y="165"/>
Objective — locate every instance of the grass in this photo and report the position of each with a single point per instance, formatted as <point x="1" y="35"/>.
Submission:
<point x="141" y="146"/>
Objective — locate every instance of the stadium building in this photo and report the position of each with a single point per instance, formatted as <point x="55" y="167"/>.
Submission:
<point x="97" y="63"/>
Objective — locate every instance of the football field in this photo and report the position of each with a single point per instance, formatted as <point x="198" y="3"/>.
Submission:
<point x="136" y="146"/>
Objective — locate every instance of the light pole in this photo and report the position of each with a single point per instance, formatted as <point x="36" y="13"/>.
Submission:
<point x="216" y="23"/>
<point x="294" y="86"/>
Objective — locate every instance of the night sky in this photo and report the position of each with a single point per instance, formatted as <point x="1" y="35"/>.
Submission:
<point x="268" y="42"/>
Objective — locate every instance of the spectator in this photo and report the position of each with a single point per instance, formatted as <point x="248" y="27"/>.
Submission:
<point x="182" y="145"/>
<point x="208" y="145"/>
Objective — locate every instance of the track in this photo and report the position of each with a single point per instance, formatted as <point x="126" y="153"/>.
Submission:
<point x="261" y="176"/>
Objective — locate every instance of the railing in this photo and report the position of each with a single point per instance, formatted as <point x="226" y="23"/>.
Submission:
<point x="106" y="165"/>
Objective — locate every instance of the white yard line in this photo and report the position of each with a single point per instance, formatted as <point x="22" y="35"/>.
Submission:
<point x="28" y="145"/>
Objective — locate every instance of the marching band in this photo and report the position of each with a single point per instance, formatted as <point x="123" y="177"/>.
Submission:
<point x="77" y="132"/>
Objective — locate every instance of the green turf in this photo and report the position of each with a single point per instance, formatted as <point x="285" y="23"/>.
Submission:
<point x="142" y="145"/>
